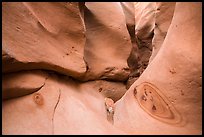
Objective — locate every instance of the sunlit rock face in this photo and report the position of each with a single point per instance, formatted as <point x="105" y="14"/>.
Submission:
<point x="106" y="37"/>
<point x="167" y="97"/>
<point x="152" y="20"/>
<point x="40" y="36"/>
<point x="101" y="68"/>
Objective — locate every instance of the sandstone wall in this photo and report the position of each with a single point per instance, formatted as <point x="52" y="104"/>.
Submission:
<point x="101" y="68"/>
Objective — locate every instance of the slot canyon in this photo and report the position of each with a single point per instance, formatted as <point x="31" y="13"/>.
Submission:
<point x="118" y="68"/>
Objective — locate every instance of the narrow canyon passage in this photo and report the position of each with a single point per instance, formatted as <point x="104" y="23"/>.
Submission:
<point x="101" y="68"/>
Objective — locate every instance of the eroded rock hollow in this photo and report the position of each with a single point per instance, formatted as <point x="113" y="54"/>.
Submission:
<point x="101" y="68"/>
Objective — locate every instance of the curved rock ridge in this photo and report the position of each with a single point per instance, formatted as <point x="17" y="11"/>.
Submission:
<point x="173" y="81"/>
<point x="57" y="108"/>
<point x="38" y="36"/>
<point x="163" y="16"/>
<point x="108" y="42"/>
<point x="156" y="104"/>
<point x="22" y="83"/>
<point x="152" y="21"/>
<point x="38" y="41"/>
<point x="102" y="68"/>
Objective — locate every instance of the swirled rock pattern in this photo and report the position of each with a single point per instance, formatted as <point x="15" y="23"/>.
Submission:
<point x="156" y="104"/>
<point x="171" y="82"/>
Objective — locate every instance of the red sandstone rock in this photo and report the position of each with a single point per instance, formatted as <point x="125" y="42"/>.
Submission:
<point x="22" y="83"/>
<point x="31" y="114"/>
<point x="47" y="36"/>
<point x="151" y="19"/>
<point x="110" y="89"/>
<point x="144" y="13"/>
<point x="108" y="43"/>
<point x="61" y="106"/>
<point x="163" y="16"/>
<point x="169" y="72"/>
<point x="165" y="99"/>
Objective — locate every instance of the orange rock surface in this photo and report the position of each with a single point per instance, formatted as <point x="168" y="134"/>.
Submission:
<point x="101" y="68"/>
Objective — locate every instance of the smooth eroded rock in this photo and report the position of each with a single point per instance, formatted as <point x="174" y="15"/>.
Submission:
<point x="163" y="16"/>
<point x="108" y="42"/>
<point x="22" y="83"/>
<point x="176" y="74"/>
<point x="110" y="89"/>
<point x="61" y="106"/>
<point x="31" y="114"/>
<point x="45" y="35"/>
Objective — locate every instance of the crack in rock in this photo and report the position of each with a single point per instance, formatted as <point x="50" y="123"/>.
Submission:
<point x="54" y="111"/>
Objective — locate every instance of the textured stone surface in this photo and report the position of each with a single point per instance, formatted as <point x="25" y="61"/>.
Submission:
<point x="108" y="42"/>
<point x="66" y="67"/>
<point x="47" y="36"/>
<point x="61" y="106"/>
<point x="22" y="83"/>
<point x="110" y="89"/>
<point x="163" y="16"/>
<point x="31" y="114"/>
<point x="169" y="72"/>
<point x="152" y="21"/>
<point x="144" y="18"/>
